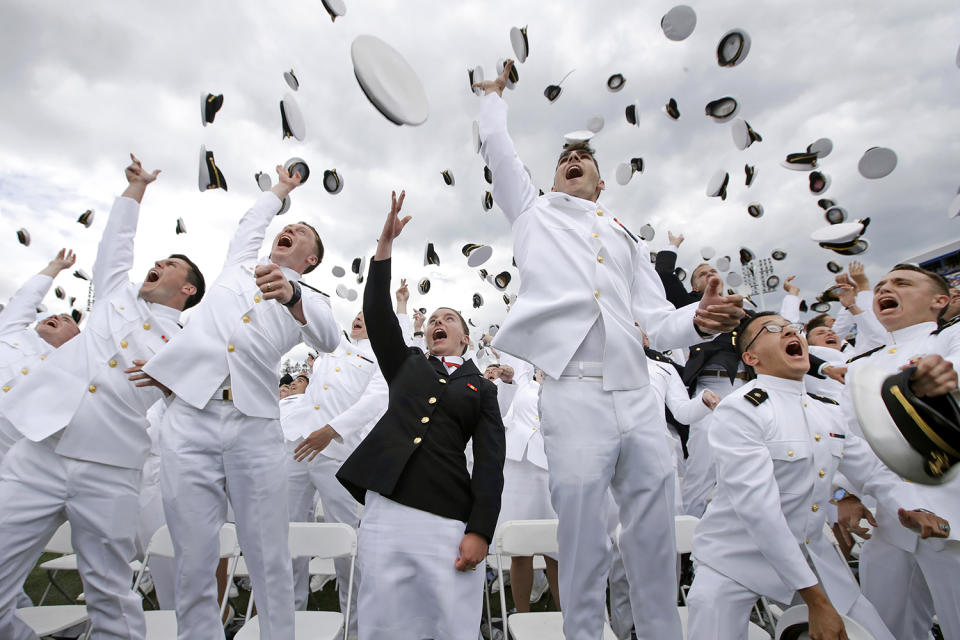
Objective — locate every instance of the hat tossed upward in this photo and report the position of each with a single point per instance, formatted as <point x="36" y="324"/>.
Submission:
<point x="632" y="113"/>
<point x="646" y="233"/>
<point x="819" y="182"/>
<point x="722" y="109"/>
<point x="833" y="267"/>
<point x="487" y="201"/>
<point x="291" y="80"/>
<point x="424" y="286"/>
<point x="822" y="147"/>
<point x="723" y="263"/>
<point x="733" y="48"/>
<point x="210" y="176"/>
<point x="513" y="77"/>
<point x="625" y="170"/>
<point x="209" y="105"/>
<point x="448" y="178"/>
<point x="60" y="293"/>
<point x="332" y="181"/>
<point x="840" y="235"/>
<point x="181" y="226"/>
<point x="877" y="162"/>
<point x="794" y="625"/>
<point x="86" y="218"/>
<point x="291" y="118"/>
<point x="335" y="8"/>
<point x="707" y="253"/>
<point x="717" y="187"/>
<point x="501" y="280"/>
<point x="81" y="274"/>
<point x="755" y="209"/>
<point x="520" y="43"/>
<point x="475" y="77"/>
<point x="595" y="123"/>
<point x="295" y="166"/>
<point x="673" y="112"/>
<point x="826" y="203"/>
<point x="358" y="266"/>
<point x="430" y="256"/>
<point x="616" y="82"/>
<point x="389" y="82"/>
<point x="918" y="438"/>
<point x="678" y="23"/>
<point x="751" y="174"/>
<point x="338" y="271"/>
<point x="778" y="254"/>
<point x="476" y="254"/>
<point x="835" y="215"/>
<point x="805" y="161"/>
<point x="743" y="134"/>
<point x="477" y="301"/>
<point x="553" y="91"/>
<point x="746" y="255"/>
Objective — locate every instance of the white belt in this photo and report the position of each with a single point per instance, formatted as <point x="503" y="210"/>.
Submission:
<point x="581" y="369"/>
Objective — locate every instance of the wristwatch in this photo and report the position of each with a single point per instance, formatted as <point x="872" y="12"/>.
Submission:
<point x="838" y="494"/>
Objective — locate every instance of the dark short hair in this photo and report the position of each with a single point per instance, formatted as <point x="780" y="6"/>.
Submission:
<point x="940" y="284"/>
<point x="318" y="249"/>
<point x="305" y="377"/>
<point x="581" y="147"/>
<point x="745" y="324"/>
<point x="817" y="321"/>
<point x="194" y="277"/>
<point x="694" y="272"/>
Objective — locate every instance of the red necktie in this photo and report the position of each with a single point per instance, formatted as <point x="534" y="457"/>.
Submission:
<point x="449" y="364"/>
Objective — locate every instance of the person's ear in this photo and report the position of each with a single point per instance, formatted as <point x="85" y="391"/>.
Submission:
<point x="749" y="358"/>
<point x="188" y="289"/>
<point x="312" y="259"/>
<point x="601" y="186"/>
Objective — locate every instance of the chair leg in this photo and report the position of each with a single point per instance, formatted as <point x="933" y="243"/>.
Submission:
<point x="53" y="583"/>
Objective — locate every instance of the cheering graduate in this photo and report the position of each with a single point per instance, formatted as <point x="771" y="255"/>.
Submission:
<point x="586" y="289"/>
<point x="22" y="347"/>
<point x="85" y="430"/>
<point x="427" y="523"/>
<point x="221" y="434"/>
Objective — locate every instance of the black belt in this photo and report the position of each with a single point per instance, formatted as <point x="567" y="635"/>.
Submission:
<point x="712" y="373"/>
<point x="224" y="394"/>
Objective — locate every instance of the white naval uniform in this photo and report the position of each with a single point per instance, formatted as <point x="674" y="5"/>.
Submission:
<point x="895" y="559"/>
<point x="213" y="448"/>
<point x="777" y="449"/>
<point x="586" y="286"/>
<point x="162" y="570"/>
<point x="827" y="386"/>
<point x="348" y="392"/>
<point x="21" y="347"/>
<point x="85" y="444"/>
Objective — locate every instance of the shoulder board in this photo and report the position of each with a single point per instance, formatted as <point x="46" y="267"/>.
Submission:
<point x="866" y="353"/>
<point x="304" y="284"/>
<point x="949" y="323"/>
<point x="756" y="397"/>
<point x="823" y="399"/>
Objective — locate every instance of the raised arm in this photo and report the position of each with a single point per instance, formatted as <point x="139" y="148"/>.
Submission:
<point x="513" y="191"/>
<point x="115" y="253"/>
<point x="790" y="305"/>
<point x="386" y="338"/>
<point x="248" y="238"/>
<point x="21" y="310"/>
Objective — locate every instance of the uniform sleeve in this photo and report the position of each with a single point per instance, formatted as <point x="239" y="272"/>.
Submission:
<point x="666" y="326"/>
<point x="505" y="395"/>
<point x="248" y="238"/>
<point x="21" y="310"/>
<point x="486" y="484"/>
<point x="948" y="344"/>
<point x="115" y="254"/>
<point x="685" y="410"/>
<point x="368" y="408"/>
<point x="861" y="466"/>
<point x="321" y="331"/>
<point x="383" y="328"/>
<point x="790" y="308"/>
<point x="870" y="333"/>
<point x="513" y="190"/>
<point x="745" y="472"/>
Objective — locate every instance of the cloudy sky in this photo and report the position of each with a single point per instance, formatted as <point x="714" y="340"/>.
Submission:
<point x="85" y="84"/>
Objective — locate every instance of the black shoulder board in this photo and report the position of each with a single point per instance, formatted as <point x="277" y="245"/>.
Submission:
<point x="949" y="323"/>
<point x="304" y="284"/>
<point x="866" y="353"/>
<point x="757" y="397"/>
<point x="823" y="399"/>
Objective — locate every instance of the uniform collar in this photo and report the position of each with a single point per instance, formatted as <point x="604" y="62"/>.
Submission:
<point x="911" y="333"/>
<point x="785" y="385"/>
<point x="587" y="205"/>
<point x="164" y="312"/>
<point x="288" y="273"/>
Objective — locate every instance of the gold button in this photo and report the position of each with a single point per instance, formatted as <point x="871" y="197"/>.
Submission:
<point x="24" y="371"/>
<point x="230" y="348"/>
<point x="246" y="318"/>
<point x="790" y="453"/>
<point x="443" y="381"/>
<point x="815" y="508"/>
<point x="804" y="404"/>
<point x="256" y="298"/>
<point x="599" y="212"/>
<point x="596" y="293"/>
<point x="537" y="418"/>
<point x="822" y="473"/>
<point x="348" y="353"/>
<point x="595" y="235"/>
<point x="123" y="344"/>
<point x="817" y="437"/>
<point x="146" y="326"/>
<point x="534" y="428"/>
<point x="417" y="440"/>
<point x="43" y="357"/>
<point x="6" y="388"/>
<point x="806" y="541"/>
<point x="600" y="259"/>
<point x="317" y="407"/>
<point x="432" y="400"/>
<point x="425" y="419"/>
<point x="893" y="350"/>
<point x="337" y="369"/>
<point x="92" y="388"/>
<point x="325" y="387"/>
<point x="112" y="363"/>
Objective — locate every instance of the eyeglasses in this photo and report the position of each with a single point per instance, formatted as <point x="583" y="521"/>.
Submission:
<point x="775" y="328"/>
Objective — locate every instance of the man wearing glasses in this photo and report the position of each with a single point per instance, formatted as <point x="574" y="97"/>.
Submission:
<point x="777" y="449"/>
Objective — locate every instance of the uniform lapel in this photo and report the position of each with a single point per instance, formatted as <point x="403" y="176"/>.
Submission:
<point x="468" y="368"/>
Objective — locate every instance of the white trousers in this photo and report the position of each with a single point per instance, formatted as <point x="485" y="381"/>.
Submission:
<point x="39" y="490"/>
<point x="303" y="480"/>
<point x="596" y="441"/>
<point x="410" y="588"/>
<point x="9" y="436"/>
<point x="700" y="472"/>
<point x="720" y="609"/>
<point x="908" y="587"/>
<point x="207" y="455"/>
<point x="162" y="570"/>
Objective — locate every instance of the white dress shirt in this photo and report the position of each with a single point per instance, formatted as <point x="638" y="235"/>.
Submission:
<point x="522" y="425"/>
<point x="579" y="271"/>
<point x="82" y="385"/>
<point x="776" y="458"/>
<point x="20" y="343"/>
<point x="235" y="332"/>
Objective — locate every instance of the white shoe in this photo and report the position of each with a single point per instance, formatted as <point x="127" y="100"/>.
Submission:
<point x="234" y="591"/>
<point x="540" y="586"/>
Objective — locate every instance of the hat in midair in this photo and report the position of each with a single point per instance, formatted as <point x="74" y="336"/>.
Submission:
<point x="181" y="226"/>
<point x="773" y="281"/>
<point x="833" y="267"/>
<point x="487" y="201"/>
<point x="81" y="274"/>
<point x="734" y="279"/>
<point x="877" y="162"/>
<point x="291" y="80"/>
<point x="297" y="166"/>
<point x="800" y="161"/>
<point x="751" y="174"/>
<point x="476" y="254"/>
<point x="338" y="272"/>
<point x="717" y="187"/>
<point x="835" y="215"/>
<point x="389" y="82"/>
<point x="475" y="77"/>
<point x="335" y="8"/>
<point x="632" y="113"/>
<point x="707" y="253"/>
<point x="501" y="280"/>
<point x="487" y="174"/>
<point x="722" y="109"/>
<point x="448" y="177"/>
<point x="755" y="209"/>
<point x="733" y="48"/>
<point x="743" y="134"/>
<point x="746" y="256"/>
<point x="291" y="118"/>
<point x="647" y="233"/>
<point x="430" y="256"/>
<point x="616" y="82"/>
<point x="678" y="23"/>
<point x="826" y="203"/>
<point x="332" y="181"/>
<point x="520" y="43"/>
<point x="209" y="105"/>
<point x="86" y="218"/>
<point x="819" y="182"/>
<point x="59" y="292"/>
<point x="210" y="176"/>
<point x="778" y="254"/>
<point x="822" y="147"/>
<point x="723" y="264"/>
<point x="672" y="110"/>
<point x="595" y="123"/>
<point x="513" y="77"/>
<point x="424" y="286"/>
<point x="477" y="301"/>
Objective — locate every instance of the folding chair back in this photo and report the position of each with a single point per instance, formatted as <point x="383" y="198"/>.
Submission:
<point x="322" y="540"/>
<point x="60" y="542"/>
<point x="526" y="538"/>
<point x="685" y="526"/>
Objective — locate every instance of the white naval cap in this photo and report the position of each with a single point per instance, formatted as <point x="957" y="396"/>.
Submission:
<point x="209" y="176"/>
<point x="389" y="82"/>
<point x="291" y="79"/>
<point x="717" y="187"/>
<point x="678" y="23"/>
<point x="291" y="118"/>
<point x="209" y="106"/>
<point x="520" y="43"/>
<point x="743" y="134"/>
<point x="335" y="8"/>
<point x="877" y="162"/>
<point x="722" y="109"/>
<point x="733" y="48"/>
<point x="476" y="254"/>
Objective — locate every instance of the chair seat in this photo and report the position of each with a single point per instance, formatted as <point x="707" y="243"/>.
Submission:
<point x="161" y="625"/>
<point x="312" y="625"/>
<point x="322" y="567"/>
<point x="754" y="632"/>
<point x="547" y="625"/>
<point x="61" y="563"/>
<point x="52" y="619"/>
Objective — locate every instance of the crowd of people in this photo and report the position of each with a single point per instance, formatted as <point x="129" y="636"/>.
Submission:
<point x="612" y="399"/>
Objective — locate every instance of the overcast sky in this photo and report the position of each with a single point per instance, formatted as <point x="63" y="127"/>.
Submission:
<point x="86" y="83"/>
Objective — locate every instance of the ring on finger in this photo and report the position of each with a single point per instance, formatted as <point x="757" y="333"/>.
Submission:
<point x="269" y="287"/>
<point x="945" y="527"/>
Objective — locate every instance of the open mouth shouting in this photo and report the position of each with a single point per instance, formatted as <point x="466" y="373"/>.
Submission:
<point x="794" y="348"/>
<point x="573" y="171"/>
<point x="285" y="241"/>
<point x="153" y="275"/>
<point x="439" y="334"/>
<point x="53" y="322"/>
<point x="357" y="325"/>
<point x="832" y="340"/>
<point x="887" y="303"/>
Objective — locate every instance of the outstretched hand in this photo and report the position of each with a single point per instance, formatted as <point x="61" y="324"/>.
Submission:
<point x="498" y="85"/>
<point x="718" y="313"/>
<point x="138" y="179"/>
<point x="64" y="259"/>
<point x="790" y="288"/>
<point x="140" y="378"/>
<point x="285" y="182"/>
<point x="392" y="227"/>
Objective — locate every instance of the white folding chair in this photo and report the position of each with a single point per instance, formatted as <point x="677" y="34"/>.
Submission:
<point x="162" y="624"/>
<point x="329" y="540"/>
<point x="530" y="538"/>
<point x="51" y="619"/>
<point x="67" y="560"/>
